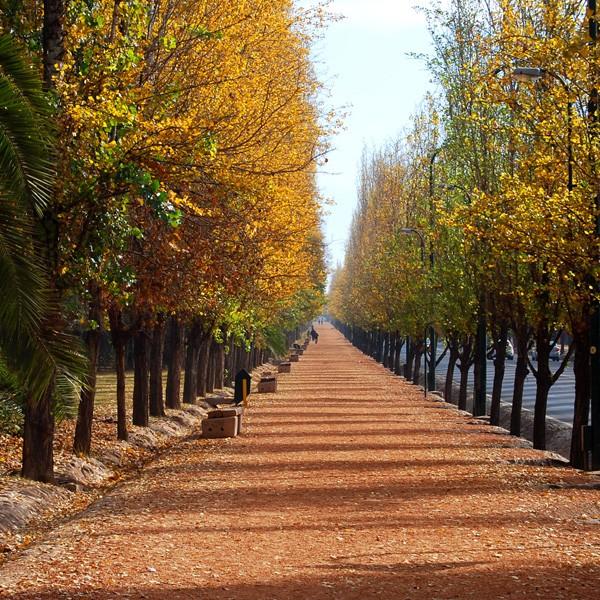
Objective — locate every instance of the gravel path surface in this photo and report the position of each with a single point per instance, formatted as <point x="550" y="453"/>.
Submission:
<point x="346" y="484"/>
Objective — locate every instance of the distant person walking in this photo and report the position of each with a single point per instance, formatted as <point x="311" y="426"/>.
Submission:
<point x="314" y="335"/>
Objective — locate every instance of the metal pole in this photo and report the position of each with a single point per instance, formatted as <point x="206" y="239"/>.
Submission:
<point x="480" y="363"/>
<point x="595" y="316"/>
<point x="425" y="364"/>
<point x="419" y="234"/>
<point x="430" y="383"/>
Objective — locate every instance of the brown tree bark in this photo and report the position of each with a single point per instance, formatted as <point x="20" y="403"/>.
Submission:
<point x="397" y="352"/>
<point x="52" y="38"/>
<point x="234" y="362"/>
<point x="176" y="342"/>
<point x="245" y="360"/>
<point x="202" y="371"/>
<point x="122" y="433"/>
<point x="453" y="355"/>
<point x="581" y="367"/>
<point x="38" y="437"/>
<point x="418" y="356"/>
<point x="140" y="381"/>
<point x="500" y="345"/>
<point x="410" y="357"/>
<point x="465" y="357"/>
<point x="82" y="442"/>
<point x="210" y="361"/>
<point x="119" y="335"/>
<point x="521" y="372"/>
<point x="219" y="366"/>
<point x="190" y="381"/>
<point x="157" y="406"/>
<point x="38" y="426"/>
<point x="386" y="349"/>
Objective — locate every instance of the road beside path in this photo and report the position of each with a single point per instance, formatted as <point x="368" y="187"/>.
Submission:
<point x="346" y="484"/>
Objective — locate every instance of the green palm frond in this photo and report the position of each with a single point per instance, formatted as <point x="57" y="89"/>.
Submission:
<point x="26" y="166"/>
<point x="32" y="338"/>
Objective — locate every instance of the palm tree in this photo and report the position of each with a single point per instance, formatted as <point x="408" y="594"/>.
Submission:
<point x="33" y="345"/>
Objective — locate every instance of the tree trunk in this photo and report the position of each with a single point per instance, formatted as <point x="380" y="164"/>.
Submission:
<point x="38" y="437"/>
<point x="464" y="382"/>
<point x="157" y="406"/>
<point x="521" y="373"/>
<point x="220" y="365"/>
<point x="543" y="384"/>
<point x="386" y="349"/>
<point x="119" y="340"/>
<point x="465" y="356"/>
<point x="377" y="349"/>
<point x="410" y="356"/>
<point x="52" y="38"/>
<point x="190" y="381"/>
<point x="581" y="368"/>
<point x="176" y="342"/>
<point x="232" y="368"/>
<point x="452" y="360"/>
<point x="248" y="358"/>
<point x="38" y="426"/>
<point x="418" y="355"/>
<point x="210" y="361"/>
<point x="397" y="357"/>
<point x="122" y="433"/>
<point x="500" y="344"/>
<point x="227" y="362"/>
<point x="140" y="381"/>
<point x="202" y="374"/>
<point x="82" y="442"/>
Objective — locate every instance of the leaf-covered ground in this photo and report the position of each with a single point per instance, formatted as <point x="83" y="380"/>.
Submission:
<point x="346" y="484"/>
<point x="27" y="509"/>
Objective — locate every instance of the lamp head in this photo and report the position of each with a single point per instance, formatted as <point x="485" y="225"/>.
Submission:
<point x="527" y="74"/>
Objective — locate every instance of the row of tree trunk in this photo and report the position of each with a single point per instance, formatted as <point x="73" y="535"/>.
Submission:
<point x="386" y="347"/>
<point x="158" y="342"/>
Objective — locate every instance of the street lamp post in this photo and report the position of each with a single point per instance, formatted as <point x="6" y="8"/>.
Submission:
<point x="431" y="383"/>
<point x="419" y="234"/>
<point x="595" y="317"/>
<point x="480" y="363"/>
<point x="533" y="74"/>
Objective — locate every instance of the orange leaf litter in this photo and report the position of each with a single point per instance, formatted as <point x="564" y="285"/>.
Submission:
<point x="346" y="484"/>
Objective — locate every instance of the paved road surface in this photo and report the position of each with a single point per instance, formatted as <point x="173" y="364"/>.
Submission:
<point x="560" y="399"/>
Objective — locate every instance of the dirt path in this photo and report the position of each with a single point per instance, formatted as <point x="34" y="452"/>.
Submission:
<point x="346" y="484"/>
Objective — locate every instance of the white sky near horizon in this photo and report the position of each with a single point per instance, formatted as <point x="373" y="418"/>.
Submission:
<point x="363" y="61"/>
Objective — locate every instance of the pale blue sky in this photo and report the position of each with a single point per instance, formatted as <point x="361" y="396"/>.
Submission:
<point x="363" y="61"/>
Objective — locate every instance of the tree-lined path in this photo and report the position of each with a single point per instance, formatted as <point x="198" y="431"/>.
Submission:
<point x="346" y="484"/>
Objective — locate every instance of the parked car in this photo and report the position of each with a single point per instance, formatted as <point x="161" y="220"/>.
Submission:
<point x="554" y="353"/>
<point x="510" y="351"/>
